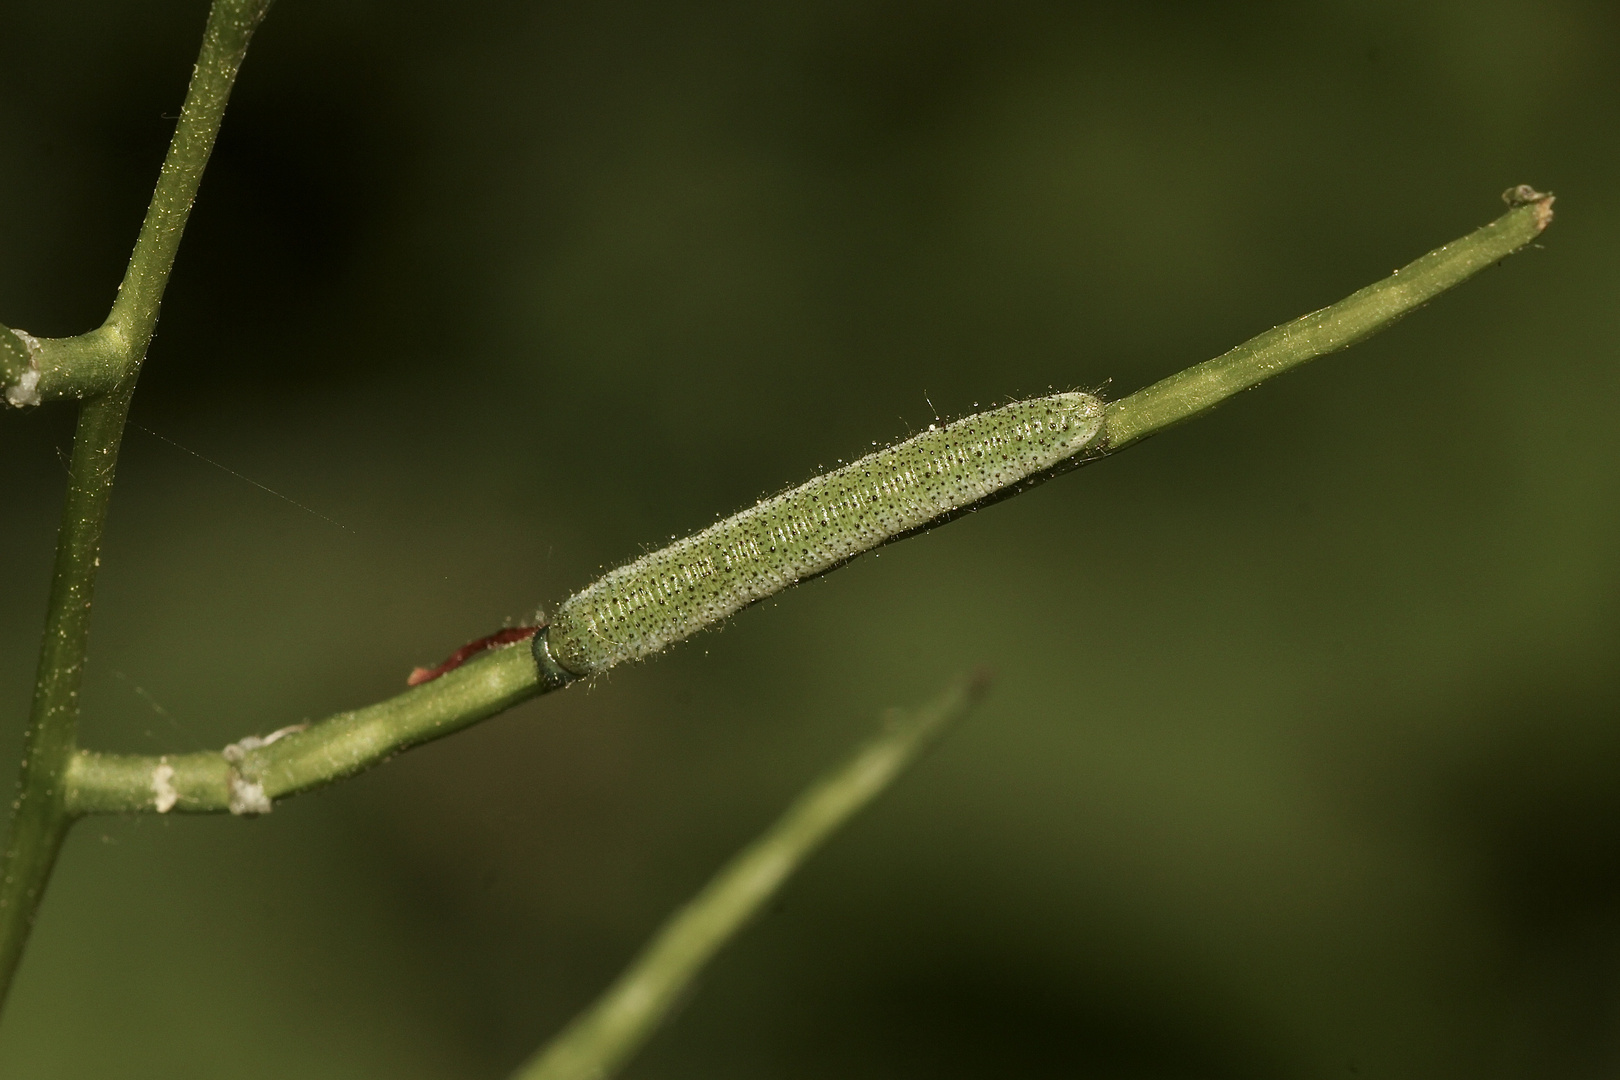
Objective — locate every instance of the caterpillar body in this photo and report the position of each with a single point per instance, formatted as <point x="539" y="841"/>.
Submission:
<point x="669" y="594"/>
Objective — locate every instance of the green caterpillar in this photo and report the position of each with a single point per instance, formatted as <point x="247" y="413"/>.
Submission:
<point x="669" y="594"/>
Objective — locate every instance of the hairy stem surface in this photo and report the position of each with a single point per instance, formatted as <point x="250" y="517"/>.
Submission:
<point x="41" y="815"/>
<point x="40" y="818"/>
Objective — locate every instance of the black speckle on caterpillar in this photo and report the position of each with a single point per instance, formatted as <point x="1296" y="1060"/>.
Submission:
<point x="666" y="595"/>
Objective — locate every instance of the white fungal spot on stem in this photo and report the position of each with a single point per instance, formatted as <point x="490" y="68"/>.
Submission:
<point x="164" y="796"/>
<point x="247" y="796"/>
<point x="235" y="752"/>
<point x="25" y="391"/>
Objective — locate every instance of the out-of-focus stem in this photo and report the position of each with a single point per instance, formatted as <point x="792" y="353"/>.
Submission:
<point x="602" y="1038"/>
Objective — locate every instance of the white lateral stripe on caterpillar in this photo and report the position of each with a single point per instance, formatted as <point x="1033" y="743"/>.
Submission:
<point x="666" y="595"/>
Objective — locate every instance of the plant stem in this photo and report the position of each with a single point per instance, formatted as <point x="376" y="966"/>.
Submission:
<point x="352" y="741"/>
<point x="55" y="369"/>
<point x="1200" y="388"/>
<point x="600" y="1040"/>
<point x="206" y="782"/>
<point x="41" y="816"/>
<point x="225" y="41"/>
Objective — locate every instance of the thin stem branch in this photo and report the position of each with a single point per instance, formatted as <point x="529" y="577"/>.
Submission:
<point x="96" y="363"/>
<point x="352" y="741"/>
<point x="248" y="776"/>
<point x="1360" y="315"/>
<point x="600" y="1040"/>
<point x="56" y="369"/>
<point x="225" y="42"/>
<point x="40" y="819"/>
<point x="41" y="816"/>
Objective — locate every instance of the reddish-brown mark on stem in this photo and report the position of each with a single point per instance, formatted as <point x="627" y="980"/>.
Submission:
<point x="510" y="635"/>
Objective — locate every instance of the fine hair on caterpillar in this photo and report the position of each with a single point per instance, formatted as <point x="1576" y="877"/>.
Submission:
<point x="666" y="595"/>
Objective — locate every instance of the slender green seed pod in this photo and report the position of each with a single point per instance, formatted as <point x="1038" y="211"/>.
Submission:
<point x="669" y="594"/>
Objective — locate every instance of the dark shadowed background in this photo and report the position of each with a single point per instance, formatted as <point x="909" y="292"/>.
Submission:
<point x="1304" y="754"/>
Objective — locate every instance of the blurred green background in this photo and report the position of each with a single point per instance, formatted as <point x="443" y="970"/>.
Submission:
<point x="1304" y="754"/>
